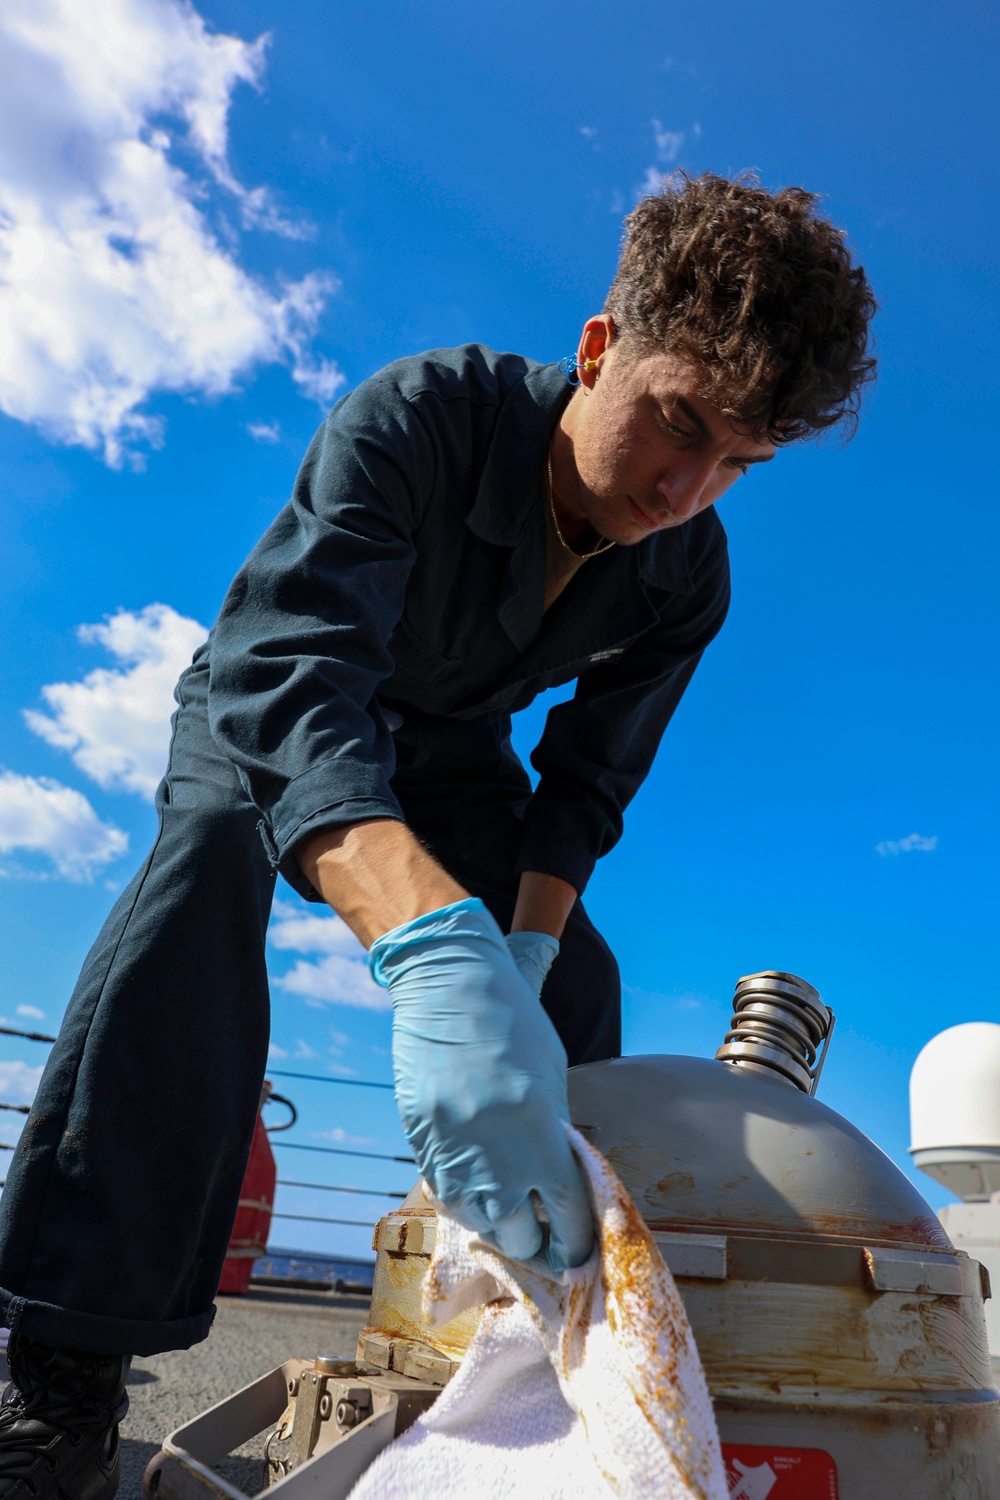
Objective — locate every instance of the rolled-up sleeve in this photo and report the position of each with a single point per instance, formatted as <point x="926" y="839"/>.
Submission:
<point x="301" y="644"/>
<point x="597" y="748"/>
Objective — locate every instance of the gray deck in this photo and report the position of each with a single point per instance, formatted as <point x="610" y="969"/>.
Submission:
<point x="250" y="1336"/>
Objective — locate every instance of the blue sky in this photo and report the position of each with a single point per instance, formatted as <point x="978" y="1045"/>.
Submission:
<point x="206" y="236"/>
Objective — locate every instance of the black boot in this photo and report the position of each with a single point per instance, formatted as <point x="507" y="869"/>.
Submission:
<point x="59" y="1423"/>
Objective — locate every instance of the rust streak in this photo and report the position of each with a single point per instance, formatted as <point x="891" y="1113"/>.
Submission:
<point x="640" y="1295"/>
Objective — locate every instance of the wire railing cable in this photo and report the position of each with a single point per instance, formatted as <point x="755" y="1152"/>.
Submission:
<point x="342" y="1151"/>
<point x="357" y="1083"/>
<point x="326" y="1187"/>
<point x="319" y="1219"/>
<point x="29" y="1036"/>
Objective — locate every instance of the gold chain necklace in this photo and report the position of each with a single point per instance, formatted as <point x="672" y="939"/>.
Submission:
<point x="581" y="556"/>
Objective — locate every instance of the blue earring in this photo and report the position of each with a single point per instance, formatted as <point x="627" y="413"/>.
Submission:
<point x="571" y="367"/>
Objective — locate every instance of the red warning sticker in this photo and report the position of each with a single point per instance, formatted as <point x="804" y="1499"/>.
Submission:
<point x="766" y="1473"/>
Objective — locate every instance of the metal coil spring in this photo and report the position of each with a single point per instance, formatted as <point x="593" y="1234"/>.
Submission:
<point x="779" y="1023"/>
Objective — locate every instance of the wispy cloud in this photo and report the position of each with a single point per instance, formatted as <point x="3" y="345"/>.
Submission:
<point x="668" y="142"/>
<point x="118" y="277"/>
<point x="18" y="1085"/>
<point x="31" y="1011"/>
<point x="335" y="981"/>
<point x="683" y="1001"/>
<point x="913" y="843"/>
<point x="40" y="816"/>
<point x="302" y="931"/>
<point x="339" y="975"/>
<point x="264" y="432"/>
<point x="651" y="183"/>
<point x="668" y="145"/>
<point x="18" y="1082"/>
<point x="339" y="1137"/>
<point x="115" y="723"/>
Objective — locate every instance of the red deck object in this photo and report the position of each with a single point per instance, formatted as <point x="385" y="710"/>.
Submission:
<point x="253" y="1216"/>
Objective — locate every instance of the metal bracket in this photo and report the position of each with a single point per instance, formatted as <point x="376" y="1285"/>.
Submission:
<point x="817" y="1070"/>
<point x="914" y="1271"/>
<point x="702" y="1257"/>
<point x="334" y="1416"/>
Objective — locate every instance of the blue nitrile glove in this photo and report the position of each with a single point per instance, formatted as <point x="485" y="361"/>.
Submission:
<point x="534" y="953"/>
<point x="481" y="1083"/>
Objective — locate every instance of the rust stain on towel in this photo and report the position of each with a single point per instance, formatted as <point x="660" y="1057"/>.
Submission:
<point x="645" y="1308"/>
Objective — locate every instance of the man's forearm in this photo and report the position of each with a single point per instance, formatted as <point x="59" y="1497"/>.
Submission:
<point x="544" y="903"/>
<point x="376" y="875"/>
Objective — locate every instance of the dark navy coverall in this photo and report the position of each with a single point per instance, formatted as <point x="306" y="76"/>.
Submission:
<point x="365" y="664"/>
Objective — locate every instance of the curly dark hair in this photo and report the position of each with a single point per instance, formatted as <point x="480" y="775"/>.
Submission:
<point x="756" y="289"/>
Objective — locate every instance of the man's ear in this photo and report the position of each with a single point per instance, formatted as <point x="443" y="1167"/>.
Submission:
<point x="595" y="341"/>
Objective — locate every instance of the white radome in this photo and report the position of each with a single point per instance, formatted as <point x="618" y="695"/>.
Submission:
<point x="955" y="1109"/>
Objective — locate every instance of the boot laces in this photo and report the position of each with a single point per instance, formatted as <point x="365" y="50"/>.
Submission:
<point x="36" y="1409"/>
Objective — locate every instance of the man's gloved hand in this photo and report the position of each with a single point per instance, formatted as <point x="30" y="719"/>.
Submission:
<point x="481" y="1083"/>
<point x="534" y="953"/>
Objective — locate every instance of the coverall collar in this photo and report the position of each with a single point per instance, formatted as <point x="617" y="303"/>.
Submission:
<point x="510" y="498"/>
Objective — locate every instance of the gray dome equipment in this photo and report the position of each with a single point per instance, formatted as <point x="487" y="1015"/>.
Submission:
<point x="841" y="1332"/>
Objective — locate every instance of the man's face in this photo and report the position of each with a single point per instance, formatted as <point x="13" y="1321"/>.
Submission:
<point x="647" y="450"/>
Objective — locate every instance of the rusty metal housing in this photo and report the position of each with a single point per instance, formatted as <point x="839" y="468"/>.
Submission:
<point x="831" y="1311"/>
<point x="835" y="1319"/>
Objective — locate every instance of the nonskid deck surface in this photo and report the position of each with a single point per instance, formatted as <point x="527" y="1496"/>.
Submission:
<point x="250" y="1336"/>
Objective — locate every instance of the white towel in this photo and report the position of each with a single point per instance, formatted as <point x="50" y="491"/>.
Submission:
<point x="575" y="1387"/>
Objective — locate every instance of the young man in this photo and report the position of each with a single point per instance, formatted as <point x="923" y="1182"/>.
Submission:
<point x="467" y="529"/>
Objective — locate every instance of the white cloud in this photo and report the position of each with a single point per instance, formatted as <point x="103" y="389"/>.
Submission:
<point x="912" y="842"/>
<point x="668" y="142"/>
<point x="114" y="281"/>
<point x="683" y="1000"/>
<point x="335" y="981"/>
<point x="116" y="722"/>
<point x="651" y="183"/>
<point x="311" y="932"/>
<point x="18" y="1082"/>
<point x="340" y="976"/>
<point x="264" y="432"/>
<point x="32" y="1012"/>
<point x="340" y="1137"/>
<point x="304" y="1052"/>
<point x="41" y="816"/>
<point x="276" y="1053"/>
